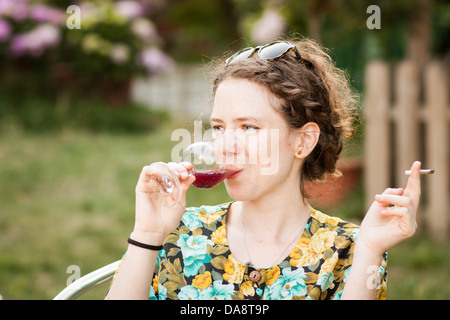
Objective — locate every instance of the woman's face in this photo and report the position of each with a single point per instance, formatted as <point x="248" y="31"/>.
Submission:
<point x="252" y="136"/>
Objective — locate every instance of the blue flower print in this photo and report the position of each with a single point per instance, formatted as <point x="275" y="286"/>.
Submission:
<point x="355" y="234"/>
<point x="218" y="291"/>
<point x="325" y="279"/>
<point x="338" y="295"/>
<point x="346" y="274"/>
<point x="191" y="220"/>
<point x="189" y="293"/>
<point x="160" y="256"/>
<point x="193" y="249"/>
<point x="152" y="295"/>
<point x="289" y="284"/>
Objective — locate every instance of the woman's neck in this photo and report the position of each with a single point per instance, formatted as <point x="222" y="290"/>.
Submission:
<point x="261" y="233"/>
<point x="275" y="216"/>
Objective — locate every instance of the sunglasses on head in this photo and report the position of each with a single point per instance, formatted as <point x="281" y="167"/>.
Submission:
<point x="269" y="52"/>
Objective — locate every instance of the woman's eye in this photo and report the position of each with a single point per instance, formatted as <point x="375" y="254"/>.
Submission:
<point x="217" y="128"/>
<point x="245" y="128"/>
<point x="249" y="128"/>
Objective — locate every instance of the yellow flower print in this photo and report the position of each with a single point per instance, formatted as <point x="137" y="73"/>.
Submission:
<point x="234" y="271"/>
<point x="247" y="288"/>
<point x="272" y="275"/>
<point x="323" y="218"/>
<point x="209" y="217"/>
<point x="329" y="264"/>
<point x="310" y="256"/>
<point x="309" y="252"/>
<point x="326" y="276"/>
<point x="219" y="236"/>
<point x="322" y="240"/>
<point x="155" y="284"/>
<point x="202" y="281"/>
<point x="295" y="255"/>
<point x="381" y="291"/>
<point x="303" y="255"/>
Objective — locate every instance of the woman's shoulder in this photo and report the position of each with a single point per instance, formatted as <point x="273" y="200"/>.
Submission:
<point x="321" y="222"/>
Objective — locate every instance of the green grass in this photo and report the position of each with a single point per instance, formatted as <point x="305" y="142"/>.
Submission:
<point x="418" y="269"/>
<point x="67" y="198"/>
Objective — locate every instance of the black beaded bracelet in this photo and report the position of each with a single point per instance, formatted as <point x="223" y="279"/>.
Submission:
<point x="143" y="245"/>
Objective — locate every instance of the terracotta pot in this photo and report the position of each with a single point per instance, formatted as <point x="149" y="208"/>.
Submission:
<point x="333" y="191"/>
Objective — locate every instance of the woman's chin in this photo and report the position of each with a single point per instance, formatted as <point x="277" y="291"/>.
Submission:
<point x="237" y="193"/>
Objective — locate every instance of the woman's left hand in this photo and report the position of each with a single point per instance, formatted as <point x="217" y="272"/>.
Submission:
<point x="392" y="216"/>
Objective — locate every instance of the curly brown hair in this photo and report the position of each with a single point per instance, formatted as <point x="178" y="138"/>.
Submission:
<point x="313" y="90"/>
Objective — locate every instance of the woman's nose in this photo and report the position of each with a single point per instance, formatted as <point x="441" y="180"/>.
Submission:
<point x="226" y="147"/>
<point x="227" y="142"/>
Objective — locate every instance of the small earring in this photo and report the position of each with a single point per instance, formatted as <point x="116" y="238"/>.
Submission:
<point x="299" y="152"/>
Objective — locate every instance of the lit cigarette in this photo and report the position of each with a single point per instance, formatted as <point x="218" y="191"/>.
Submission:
<point x="424" y="171"/>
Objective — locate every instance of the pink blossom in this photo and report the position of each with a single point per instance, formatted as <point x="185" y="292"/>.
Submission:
<point x="270" y="26"/>
<point x="36" y="41"/>
<point x="18" y="45"/>
<point x="155" y="61"/>
<point x="129" y="9"/>
<point x="144" y="29"/>
<point x="5" y="30"/>
<point x="48" y="34"/>
<point x="44" y="13"/>
<point x="15" y="9"/>
<point x="119" y="53"/>
<point x="90" y="11"/>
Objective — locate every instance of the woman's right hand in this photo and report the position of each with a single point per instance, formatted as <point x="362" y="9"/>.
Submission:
<point x="154" y="222"/>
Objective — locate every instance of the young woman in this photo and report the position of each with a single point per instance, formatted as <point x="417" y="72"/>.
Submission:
<point x="268" y="243"/>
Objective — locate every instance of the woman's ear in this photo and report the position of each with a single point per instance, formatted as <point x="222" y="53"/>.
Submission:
<point x="307" y="138"/>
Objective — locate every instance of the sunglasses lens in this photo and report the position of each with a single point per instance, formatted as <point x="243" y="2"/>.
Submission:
<point x="240" y="55"/>
<point x="274" y="50"/>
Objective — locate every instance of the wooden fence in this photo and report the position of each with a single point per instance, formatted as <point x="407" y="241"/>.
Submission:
<point x="408" y="118"/>
<point x="186" y="92"/>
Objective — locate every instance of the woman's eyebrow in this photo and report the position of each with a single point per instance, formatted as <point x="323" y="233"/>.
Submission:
<point x="214" y="120"/>
<point x="240" y="119"/>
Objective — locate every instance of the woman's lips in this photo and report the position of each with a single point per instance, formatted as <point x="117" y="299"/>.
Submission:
<point x="234" y="175"/>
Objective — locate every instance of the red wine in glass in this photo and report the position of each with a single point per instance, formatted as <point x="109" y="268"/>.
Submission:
<point x="166" y="188"/>
<point x="207" y="171"/>
<point x="210" y="179"/>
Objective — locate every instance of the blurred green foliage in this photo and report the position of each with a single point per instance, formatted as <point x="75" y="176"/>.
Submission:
<point x="107" y="46"/>
<point x="37" y="115"/>
<point x="200" y="29"/>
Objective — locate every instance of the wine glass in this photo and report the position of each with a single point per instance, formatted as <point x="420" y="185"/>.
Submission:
<point x="208" y="172"/>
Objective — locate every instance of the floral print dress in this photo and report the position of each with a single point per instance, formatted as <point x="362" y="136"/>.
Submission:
<point x="197" y="264"/>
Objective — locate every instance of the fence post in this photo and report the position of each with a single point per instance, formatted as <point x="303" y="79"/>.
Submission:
<point x="437" y="150"/>
<point x="404" y="142"/>
<point x="406" y="111"/>
<point x="377" y="96"/>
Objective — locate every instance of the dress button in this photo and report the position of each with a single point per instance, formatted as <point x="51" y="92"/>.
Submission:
<point x="255" y="276"/>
